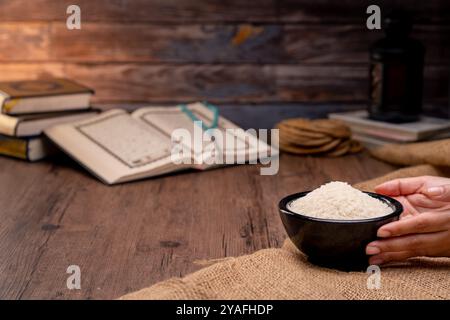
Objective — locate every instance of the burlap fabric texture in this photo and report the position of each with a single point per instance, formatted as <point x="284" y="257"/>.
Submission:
<point x="285" y="273"/>
<point x="436" y="153"/>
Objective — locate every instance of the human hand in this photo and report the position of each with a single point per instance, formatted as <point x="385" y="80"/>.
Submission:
<point x="424" y="226"/>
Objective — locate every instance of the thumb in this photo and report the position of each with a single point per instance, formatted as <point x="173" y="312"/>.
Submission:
<point x="441" y="193"/>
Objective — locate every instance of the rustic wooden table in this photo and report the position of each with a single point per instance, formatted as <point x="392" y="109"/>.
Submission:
<point x="53" y="214"/>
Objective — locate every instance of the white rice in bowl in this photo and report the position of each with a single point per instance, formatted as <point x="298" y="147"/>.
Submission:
<point x="339" y="201"/>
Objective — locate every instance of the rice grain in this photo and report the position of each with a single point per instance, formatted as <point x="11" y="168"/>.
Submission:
<point x="338" y="200"/>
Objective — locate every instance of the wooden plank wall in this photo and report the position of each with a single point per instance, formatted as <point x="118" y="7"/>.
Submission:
<point x="229" y="51"/>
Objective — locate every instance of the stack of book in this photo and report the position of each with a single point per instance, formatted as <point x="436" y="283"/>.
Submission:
<point x="29" y="107"/>
<point x="377" y="133"/>
<point x="118" y="146"/>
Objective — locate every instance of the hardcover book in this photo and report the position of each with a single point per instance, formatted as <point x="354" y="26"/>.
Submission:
<point x="38" y="96"/>
<point x="425" y="129"/>
<point x="31" y="149"/>
<point x="33" y="124"/>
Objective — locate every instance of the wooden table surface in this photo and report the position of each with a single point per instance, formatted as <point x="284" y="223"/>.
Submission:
<point x="126" y="237"/>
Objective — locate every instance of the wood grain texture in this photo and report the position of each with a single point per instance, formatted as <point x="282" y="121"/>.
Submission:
<point x="434" y="11"/>
<point x="217" y="83"/>
<point x="268" y="55"/>
<point x="337" y="44"/>
<point x="28" y="41"/>
<point x="129" y="236"/>
<point x="224" y="51"/>
<point x="157" y="43"/>
<point x="137" y="82"/>
<point x="205" y="43"/>
<point x="180" y="11"/>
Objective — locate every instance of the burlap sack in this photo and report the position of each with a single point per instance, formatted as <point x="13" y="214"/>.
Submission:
<point x="434" y="152"/>
<point x="285" y="273"/>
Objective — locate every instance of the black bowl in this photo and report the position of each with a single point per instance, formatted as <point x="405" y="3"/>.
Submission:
<point x="339" y="244"/>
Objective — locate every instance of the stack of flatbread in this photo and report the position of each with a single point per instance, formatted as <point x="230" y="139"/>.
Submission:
<point x="316" y="137"/>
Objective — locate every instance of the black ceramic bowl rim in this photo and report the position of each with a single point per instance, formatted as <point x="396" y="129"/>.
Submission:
<point x="283" y="205"/>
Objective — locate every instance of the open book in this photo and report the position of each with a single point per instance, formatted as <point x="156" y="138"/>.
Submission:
<point x="117" y="146"/>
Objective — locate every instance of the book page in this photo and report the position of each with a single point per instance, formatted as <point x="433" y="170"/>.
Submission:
<point x="130" y="141"/>
<point x="115" y="147"/>
<point x="168" y="119"/>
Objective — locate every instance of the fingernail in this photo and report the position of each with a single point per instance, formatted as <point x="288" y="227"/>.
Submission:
<point x="435" y="191"/>
<point x="376" y="261"/>
<point x="372" y="250"/>
<point x="383" y="233"/>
